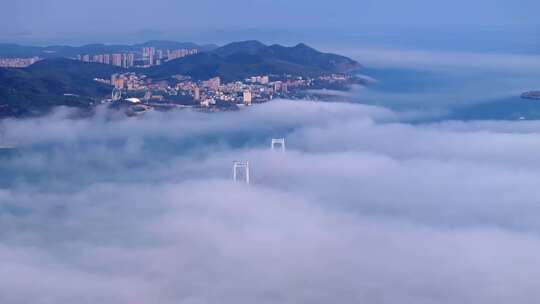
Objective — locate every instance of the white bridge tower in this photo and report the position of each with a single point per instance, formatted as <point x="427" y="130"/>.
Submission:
<point x="116" y="94"/>
<point x="278" y="143"/>
<point x="238" y="169"/>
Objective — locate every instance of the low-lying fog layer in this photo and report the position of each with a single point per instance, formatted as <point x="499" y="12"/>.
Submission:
<point x="364" y="207"/>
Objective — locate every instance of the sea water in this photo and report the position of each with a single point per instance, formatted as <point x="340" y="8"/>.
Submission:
<point x="468" y="94"/>
<point x="461" y="75"/>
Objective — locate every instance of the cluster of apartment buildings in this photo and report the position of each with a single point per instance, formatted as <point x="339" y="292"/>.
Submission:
<point x="147" y="57"/>
<point x="129" y="81"/>
<point x="213" y="94"/>
<point x="175" y="54"/>
<point x="152" y="56"/>
<point x="18" y="62"/>
<point x="206" y="93"/>
<point x="125" y="60"/>
<point x="213" y="91"/>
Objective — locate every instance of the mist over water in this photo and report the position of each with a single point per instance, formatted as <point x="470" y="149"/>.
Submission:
<point x="463" y="75"/>
<point x="467" y="94"/>
<point x="364" y="206"/>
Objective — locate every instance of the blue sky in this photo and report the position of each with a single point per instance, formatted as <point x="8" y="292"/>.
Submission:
<point x="42" y="19"/>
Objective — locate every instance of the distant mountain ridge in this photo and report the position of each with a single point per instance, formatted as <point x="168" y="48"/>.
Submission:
<point x="21" y="51"/>
<point x="249" y="47"/>
<point x="238" y="60"/>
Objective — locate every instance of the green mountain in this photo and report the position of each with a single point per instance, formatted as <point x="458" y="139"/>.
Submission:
<point x="52" y="82"/>
<point x="239" y="60"/>
<point x="250" y="47"/>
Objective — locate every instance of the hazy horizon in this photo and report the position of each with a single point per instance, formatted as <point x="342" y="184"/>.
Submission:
<point x="45" y="22"/>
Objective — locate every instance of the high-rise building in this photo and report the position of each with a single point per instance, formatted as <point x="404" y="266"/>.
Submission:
<point x="117" y="59"/>
<point x="18" y="62"/>
<point x="277" y="86"/>
<point x="151" y="57"/>
<point x="149" y="54"/>
<point x="145" y="52"/>
<point x="175" y="54"/>
<point x="107" y="59"/>
<point x="86" y="58"/>
<point x="130" y="60"/>
<point x="196" y="93"/>
<point x="124" y="61"/>
<point x="247" y="97"/>
<point x="97" y="58"/>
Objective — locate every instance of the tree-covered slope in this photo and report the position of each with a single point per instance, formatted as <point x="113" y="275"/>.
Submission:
<point x="49" y="83"/>
<point x="239" y="60"/>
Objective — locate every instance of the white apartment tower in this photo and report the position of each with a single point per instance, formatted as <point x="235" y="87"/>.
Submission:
<point x="247" y="97"/>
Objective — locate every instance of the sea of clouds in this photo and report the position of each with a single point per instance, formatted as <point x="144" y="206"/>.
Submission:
<point x="366" y="206"/>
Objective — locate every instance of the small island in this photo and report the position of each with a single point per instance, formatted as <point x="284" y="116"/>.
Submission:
<point x="535" y="95"/>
